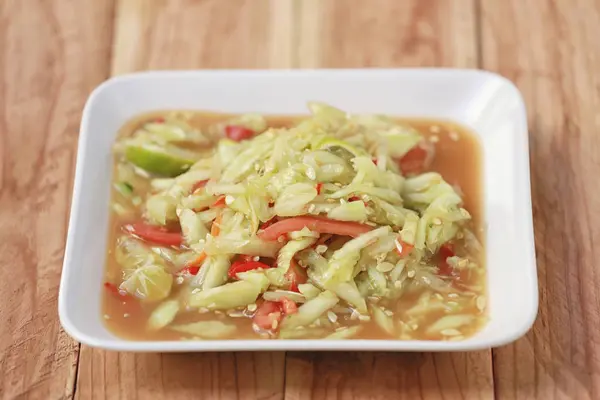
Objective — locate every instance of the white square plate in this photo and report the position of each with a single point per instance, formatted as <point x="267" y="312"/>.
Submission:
<point x="488" y="104"/>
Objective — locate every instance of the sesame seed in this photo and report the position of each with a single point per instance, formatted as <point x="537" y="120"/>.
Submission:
<point x="179" y="280"/>
<point x="385" y="267"/>
<point x="434" y="139"/>
<point x="235" y="313"/>
<point x="437" y="221"/>
<point x="364" y="318"/>
<point x="229" y="199"/>
<point x="321" y="249"/>
<point x="332" y="316"/>
<point x="126" y="315"/>
<point x="454" y="136"/>
<point x="252" y="307"/>
<point x="274" y="324"/>
<point x="106" y="316"/>
<point x="255" y="258"/>
<point x="434" y="129"/>
<point x="411" y="273"/>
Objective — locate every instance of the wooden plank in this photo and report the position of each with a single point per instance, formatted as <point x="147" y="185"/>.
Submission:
<point x="52" y="54"/>
<point x="549" y="48"/>
<point x="387" y="33"/>
<point x="182" y="34"/>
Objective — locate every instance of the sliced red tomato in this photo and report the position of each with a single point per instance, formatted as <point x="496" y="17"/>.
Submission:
<point x="288" y="306"/>
<point x="317" y="224"/>
<point x="190" y="270"/>
<point x="245" y="258"/>
<point x="159" y="120"/>
<point x="243" y="266"/>
<point x="319" y="187"/>
<point x="413" y="162"/>
<point x="155" y="234"/>
<point x="296" y="275"/>
<point x="447" y="250"/>
<point x="266" y="315"/>
<point x="198" y="185"/>
<point x="402" y="248"/>
<point x="238" y="132"/>
<point x="374" y="161"/>
<point x="267" y="224"/>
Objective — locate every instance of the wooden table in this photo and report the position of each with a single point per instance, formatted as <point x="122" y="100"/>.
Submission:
<point x="54" y="52"/>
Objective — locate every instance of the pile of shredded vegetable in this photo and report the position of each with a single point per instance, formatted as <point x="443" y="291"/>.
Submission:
<point x="310" y="231"/>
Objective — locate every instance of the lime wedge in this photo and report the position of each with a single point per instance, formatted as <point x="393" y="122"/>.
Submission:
<point x="159" y="160"/>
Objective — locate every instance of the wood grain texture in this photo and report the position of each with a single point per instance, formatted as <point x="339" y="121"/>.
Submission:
<point x="386" y="33"/>
<point x="189" y="34"/>
<point x="550" y="49"/>
<point x="52" y="54"/>
<point x="182" y="35"/>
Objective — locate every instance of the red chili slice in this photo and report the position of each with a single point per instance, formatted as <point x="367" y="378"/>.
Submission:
<point x="403" y="249"/>
<point x="191" y="270"/>
<point x="198" y="185"/>
<point x="220" y="202"/>
<point x="319" y="187"/>
<point x="243" y="266"/>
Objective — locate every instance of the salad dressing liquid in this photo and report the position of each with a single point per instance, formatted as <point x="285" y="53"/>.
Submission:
<point x="457" y="158"/>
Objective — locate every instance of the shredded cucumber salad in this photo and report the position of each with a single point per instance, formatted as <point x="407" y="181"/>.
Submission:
<point x="313" y="231"/>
